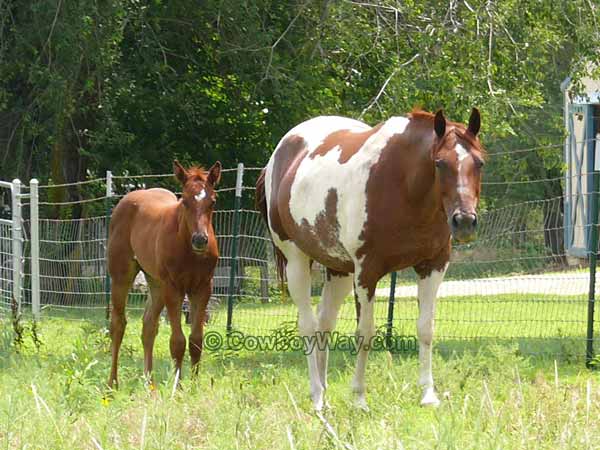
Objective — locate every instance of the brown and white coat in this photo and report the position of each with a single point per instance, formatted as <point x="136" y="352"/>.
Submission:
<point x="365" y="201"/>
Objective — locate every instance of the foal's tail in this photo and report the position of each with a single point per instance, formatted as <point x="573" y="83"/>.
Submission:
<point x="261" y="205"/>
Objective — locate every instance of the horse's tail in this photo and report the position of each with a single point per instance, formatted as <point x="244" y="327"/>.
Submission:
<point x="261" y="205"/>
<point x="260" y="200"/>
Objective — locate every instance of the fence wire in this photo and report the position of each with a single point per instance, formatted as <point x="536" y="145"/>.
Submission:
<point x="515" y="283"/>
<point x="6" y="265"/>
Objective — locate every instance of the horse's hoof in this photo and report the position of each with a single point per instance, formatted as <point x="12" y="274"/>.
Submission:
<point x="361" y="404"/>
<point x="318" y="404"/>
<point x="430" y="399"/>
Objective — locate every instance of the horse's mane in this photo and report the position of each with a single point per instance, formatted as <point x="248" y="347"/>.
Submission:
<point x="418" y="113"/>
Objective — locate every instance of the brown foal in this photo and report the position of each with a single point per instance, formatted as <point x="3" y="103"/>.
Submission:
<point x="173" y="242"/>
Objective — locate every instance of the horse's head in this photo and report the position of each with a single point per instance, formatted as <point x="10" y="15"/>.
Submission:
<point x="458" y="158"/>
<point x="198" y="200"/>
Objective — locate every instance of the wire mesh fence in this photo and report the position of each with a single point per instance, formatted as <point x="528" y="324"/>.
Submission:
<point x="516" y="283"/>
<point x="6" y="264"/>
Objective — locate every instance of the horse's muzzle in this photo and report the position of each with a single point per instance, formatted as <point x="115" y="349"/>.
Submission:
<point x="199" y="242"/>
<point x="463" y="226"/>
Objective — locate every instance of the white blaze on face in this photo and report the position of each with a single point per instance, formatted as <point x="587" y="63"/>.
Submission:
<point x="461" y="153"/>
<point x="200" y="196"/>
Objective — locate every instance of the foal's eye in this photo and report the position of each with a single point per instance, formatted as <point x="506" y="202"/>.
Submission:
<point x="479" y="163"/>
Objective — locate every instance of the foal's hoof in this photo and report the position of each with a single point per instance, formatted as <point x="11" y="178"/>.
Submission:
<point x="430" y="399"/>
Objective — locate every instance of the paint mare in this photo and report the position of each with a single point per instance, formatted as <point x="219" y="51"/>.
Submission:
<point x="173" y="242"/>
<point x="368" y="201"/>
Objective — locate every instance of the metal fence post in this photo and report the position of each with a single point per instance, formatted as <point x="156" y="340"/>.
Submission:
<point x="17" y="241"/>
<point x="234" y="244"/>
<point x="593" y="252"/>
<point x="109" y="193"/>
<point x="390" y="315"/>
<point x="35" y="248"/>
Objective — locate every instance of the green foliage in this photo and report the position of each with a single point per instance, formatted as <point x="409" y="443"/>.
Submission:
<point x="89" y="86"/>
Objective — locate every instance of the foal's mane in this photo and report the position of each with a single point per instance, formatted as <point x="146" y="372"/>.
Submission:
<point x="196" y="172"/>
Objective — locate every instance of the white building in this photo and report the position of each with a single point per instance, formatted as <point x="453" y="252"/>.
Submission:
<point x="582" y="157"/>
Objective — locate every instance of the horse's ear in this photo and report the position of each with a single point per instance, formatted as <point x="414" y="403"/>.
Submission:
<point x="180" y="173"/>
<point x="214" y="173"/>
<point x="439" y="124"/>
<point x="474" y="122"/>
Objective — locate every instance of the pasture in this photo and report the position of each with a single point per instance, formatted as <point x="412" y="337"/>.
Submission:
<point x="53" y="395"/>
<point x="509" y="308"/>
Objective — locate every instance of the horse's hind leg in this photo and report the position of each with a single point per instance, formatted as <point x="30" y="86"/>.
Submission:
<point x="154" y="306"/>
<point x="122" y="272"/>
<point x="336" y="288"/>
<point x="298" y="277"/>
<point x="365" y="333"/>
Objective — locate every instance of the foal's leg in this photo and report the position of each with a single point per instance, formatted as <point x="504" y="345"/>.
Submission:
<point x="173" y="300"/>
<point x="298" y="277"/>
<point x="364" y="334"/>
<point x="198" y="303"/>
<point x="122" y="274"/>
<point x="334" y="292"/>
<point x="427" y="292"/>
<point x="154" y="306"/>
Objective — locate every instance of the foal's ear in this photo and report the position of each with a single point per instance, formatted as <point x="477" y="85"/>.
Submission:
<point x="214" y="174"/>
<point x="474" y="122"/>
<point x="180" y="173"/>
<point x="439" y="124"/>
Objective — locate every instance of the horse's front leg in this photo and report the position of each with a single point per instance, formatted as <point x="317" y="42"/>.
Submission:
<point x="427" y="292"/>
<point x="173" y="301"/>
<point x="198" y="303"/>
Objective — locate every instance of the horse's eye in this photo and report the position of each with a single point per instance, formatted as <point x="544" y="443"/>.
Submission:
<point x="479" y="163"/>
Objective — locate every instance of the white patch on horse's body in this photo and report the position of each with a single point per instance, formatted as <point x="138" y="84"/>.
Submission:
<point x="200" y="196"/>
<point x="314" y="131"/>
<point x="315" y="177"/>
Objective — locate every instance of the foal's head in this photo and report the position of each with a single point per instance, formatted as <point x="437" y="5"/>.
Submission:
<point x="198" y="200"/>
<point x="458" y="158"/>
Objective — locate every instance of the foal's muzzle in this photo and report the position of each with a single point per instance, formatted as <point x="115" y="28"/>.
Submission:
<point x="199" y="242"/>
<point x="463" y="225"/>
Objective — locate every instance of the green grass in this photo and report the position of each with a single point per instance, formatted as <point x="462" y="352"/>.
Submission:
<point x="53" y="397"/>
<point x="535" y="323"/>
